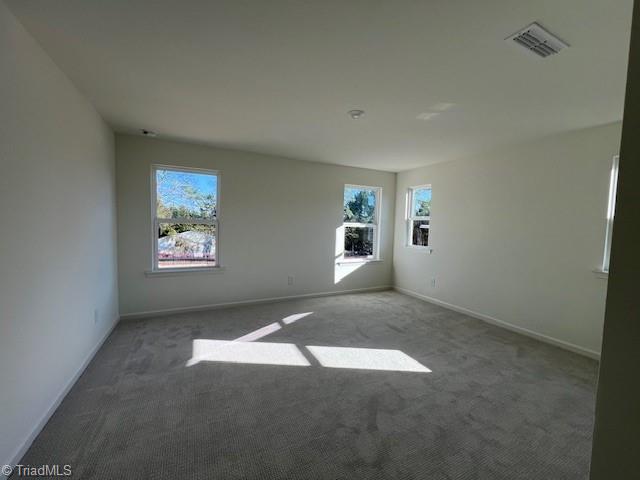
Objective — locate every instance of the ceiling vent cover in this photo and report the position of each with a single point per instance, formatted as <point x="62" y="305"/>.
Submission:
<point x="538" y="40"/>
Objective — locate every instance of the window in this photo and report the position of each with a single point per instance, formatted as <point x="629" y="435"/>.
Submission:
<point x="360" y="222"/>
<point x="419" y="216"/>
<point x="185" y="218"/>
<point x="611" y="210"/>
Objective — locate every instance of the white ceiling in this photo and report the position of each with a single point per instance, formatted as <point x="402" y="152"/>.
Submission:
<point x="278" y="76"/>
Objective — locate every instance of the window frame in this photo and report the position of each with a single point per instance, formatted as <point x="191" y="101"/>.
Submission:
<point x="156" y="221"/>
<point x="410" y="218"/>
<point x="375" y="257"/>
<point x="611" y="211"/>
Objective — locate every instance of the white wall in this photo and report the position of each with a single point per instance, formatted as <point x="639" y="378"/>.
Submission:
<point x="517" y="233"/>
<point x="278" y="218"/>
<point x="57" y="245"/>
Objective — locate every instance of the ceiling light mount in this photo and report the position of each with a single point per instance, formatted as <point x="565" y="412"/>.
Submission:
<point x="356" y="114"/>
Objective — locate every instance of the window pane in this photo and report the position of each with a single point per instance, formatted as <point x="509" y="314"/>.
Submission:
<point x="359" y="205"/>
<point x="358" y="242"/>
<point x="181" y="245"/>
<point x="186" y="194"/>
<point x="420" y="232"/>
<point x="421" y="202"/>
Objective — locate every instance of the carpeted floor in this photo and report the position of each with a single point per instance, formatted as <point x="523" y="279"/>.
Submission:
<point x="495" y="405"/>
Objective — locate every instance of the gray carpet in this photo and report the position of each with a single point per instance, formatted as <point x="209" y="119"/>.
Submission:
<point x="495" y="405"/>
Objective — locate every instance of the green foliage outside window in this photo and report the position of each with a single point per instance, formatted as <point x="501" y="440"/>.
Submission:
<point x="359" y="205"/>
<point x="178" y="198"/>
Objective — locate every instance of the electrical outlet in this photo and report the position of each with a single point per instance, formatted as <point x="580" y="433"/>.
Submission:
<point x="433" y="282"/>
<point x="96" y="316"/>
<point x="291" y="279"/>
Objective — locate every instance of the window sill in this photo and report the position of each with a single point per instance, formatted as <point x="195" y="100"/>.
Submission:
<point x="351" y="262"/>
<point x="601" y="274"/>
<point x="178" y="272"/>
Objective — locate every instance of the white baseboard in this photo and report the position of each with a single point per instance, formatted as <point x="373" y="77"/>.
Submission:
<point x="508" y="326"/>
<point x="22" y="449"/>
<point x="258" y="301"/>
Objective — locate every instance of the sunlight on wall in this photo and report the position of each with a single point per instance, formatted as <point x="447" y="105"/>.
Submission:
<point x="341" y="268"/>
<point x="339" y="242"/>
<point x="407" y="207"/>
<point x="366" y="359"/>
<point x="344" y="269"/>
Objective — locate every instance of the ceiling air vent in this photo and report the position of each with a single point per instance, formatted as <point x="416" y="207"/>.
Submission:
<point x="538" y="40"/>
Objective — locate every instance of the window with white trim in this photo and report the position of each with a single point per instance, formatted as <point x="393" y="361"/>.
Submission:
<point x="419" y="216"/>
<point x="185" y="218"/>
<point x="361" y="222"/>
<point x="611" y="210"/>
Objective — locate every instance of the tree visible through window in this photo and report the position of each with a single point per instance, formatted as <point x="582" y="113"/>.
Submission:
<point x="186" y="218"/>
<point x="361" y="222"/>
<point x="419" y="216"/>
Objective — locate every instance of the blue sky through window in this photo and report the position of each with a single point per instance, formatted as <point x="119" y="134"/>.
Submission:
<point x="420" y="195"/>
<point x="423" y="194"/>
<point x="184" y="189"/>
